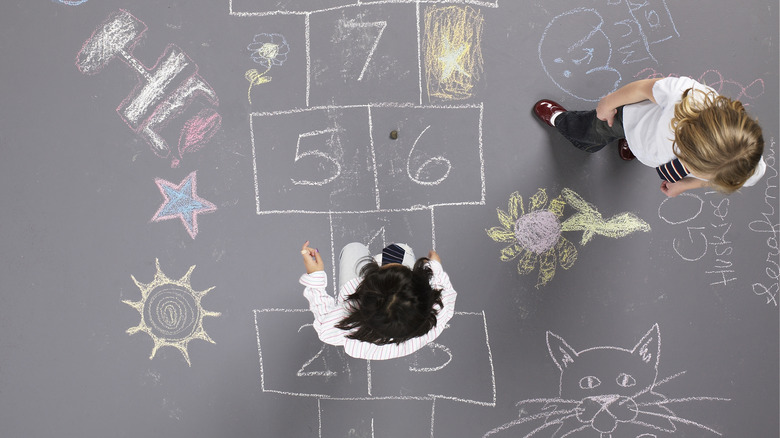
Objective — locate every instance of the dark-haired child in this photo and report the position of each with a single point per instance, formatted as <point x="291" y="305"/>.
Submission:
<point x="388" y="306"/>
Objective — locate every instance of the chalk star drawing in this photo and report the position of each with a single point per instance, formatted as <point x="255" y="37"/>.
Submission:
<point x="536" y="235"/>
<point x="452" y="51"/>
<point x="182" y="202"/>
<point x="451" y="59"/>
<point x="171" y="313"/>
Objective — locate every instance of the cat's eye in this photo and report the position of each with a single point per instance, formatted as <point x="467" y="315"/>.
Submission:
<point x="589" y="382"/>
<point x="625" y="380"/>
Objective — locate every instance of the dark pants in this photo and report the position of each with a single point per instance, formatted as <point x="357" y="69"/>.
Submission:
<point x="585" y="131"/>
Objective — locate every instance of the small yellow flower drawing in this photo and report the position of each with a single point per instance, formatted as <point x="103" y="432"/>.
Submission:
<point x="535" y="235"/>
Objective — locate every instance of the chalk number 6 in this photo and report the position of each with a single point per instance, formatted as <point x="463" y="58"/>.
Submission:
<point x="416" y="177"/>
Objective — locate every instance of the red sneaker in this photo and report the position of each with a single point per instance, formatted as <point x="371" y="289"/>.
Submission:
<point x="544" y="109"/>
<point x="624" y="151"/>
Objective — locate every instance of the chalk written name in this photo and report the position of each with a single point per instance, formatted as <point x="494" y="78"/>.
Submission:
<point x="704" y="236"/>
<point x="770" y="225"/>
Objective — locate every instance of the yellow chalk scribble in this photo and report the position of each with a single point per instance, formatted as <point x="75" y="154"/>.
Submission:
<point x="452" y="51"/>
<point x="171" y="313"/>
<point x="535" y="233"/>
<point x="255" y="78"/>
<point x="590" y="222"/>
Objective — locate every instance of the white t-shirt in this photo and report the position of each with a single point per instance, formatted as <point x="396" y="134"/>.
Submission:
<point x="648" y="125"/>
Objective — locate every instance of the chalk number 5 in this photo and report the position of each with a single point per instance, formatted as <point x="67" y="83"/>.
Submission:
<point x="335" y="165"/>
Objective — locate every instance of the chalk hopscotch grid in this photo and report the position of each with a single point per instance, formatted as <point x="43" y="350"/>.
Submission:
<point x="263" y="387"/>
<point x="319" y="417"/>
<point x="307" y="30"/>
<point x="358" y="3"/>
<point x="368" y="107"/>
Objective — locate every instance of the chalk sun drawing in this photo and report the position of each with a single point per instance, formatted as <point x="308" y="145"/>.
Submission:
<point x="171" y="312"/>
<point x="606" y="392"/>
<point x="452" y="51"/>
<point x="268" y="50"/>
<point x="535" y="233"/>
<point x="182" y="202"/>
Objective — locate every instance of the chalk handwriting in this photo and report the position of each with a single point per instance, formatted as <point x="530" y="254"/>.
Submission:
<point x="769" y="226"/>
<point x="182" y="202"/>
<point x="586" y="49"/>
<point x="171" y="312"/>
<point x="609" y="391"/>
<point x="703" y="237"/>
<point x="534" y="233"/>
<point x="163" y="92"/>
<point x="71" y="2"/>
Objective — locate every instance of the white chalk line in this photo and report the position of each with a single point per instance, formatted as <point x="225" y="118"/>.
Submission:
<point x="371" y="397"/>
<point x="433" y="231"/>
<point x="231" y="12"/>
<point x="381" y="25"/>
<point x="368" y="107"/>
<point x="373" y="158"/>
<point x="419" y="52"/>
<point x="383" y="210"/>
<point x="478" y="106"/>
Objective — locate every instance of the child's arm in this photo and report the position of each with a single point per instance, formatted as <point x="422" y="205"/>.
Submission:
<point x="441" y="281"/>
<point x="630" y="93"/>
<point x="326" y="310"/>
<point x="672" y="189"/>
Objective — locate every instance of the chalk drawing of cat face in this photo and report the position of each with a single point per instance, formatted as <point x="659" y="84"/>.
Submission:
<point x="604" y="392"/>
<point x="611" y="386"/>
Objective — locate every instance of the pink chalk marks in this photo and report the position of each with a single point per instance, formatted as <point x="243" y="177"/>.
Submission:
<point x="197" y="131"/>
<point x="715" y="80"/>
<point x="163" y="93"/>
<point x="182" y="202"/>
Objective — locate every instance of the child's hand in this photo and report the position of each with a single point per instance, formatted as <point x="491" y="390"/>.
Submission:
<point x="432" y="255"/>
<point x="311" y="259"/>
<point x="671" y="189"/>
<point x="605" y="112"/>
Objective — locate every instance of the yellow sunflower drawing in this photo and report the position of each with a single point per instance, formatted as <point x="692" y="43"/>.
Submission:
<point x="535" y="233"/>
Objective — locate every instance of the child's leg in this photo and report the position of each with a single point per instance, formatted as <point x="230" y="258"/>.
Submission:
<point x="408" y="260"/>
<point x="585" y="131"/>
<point x="353" y="256"/>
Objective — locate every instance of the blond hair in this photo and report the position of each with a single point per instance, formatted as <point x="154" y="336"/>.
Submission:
<point x="716" y="138"/>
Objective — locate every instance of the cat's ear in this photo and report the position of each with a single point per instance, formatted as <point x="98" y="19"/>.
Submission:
<point x="649" y="347"/>
<point x="560" y="352"/>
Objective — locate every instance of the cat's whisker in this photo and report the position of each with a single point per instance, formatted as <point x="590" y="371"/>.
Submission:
<point x="643" y="391"/>
<point x="680" y="420"/>
<point x="575" y="430"/>
<point x="546" y="400"/>
<point x="653" y="426"/>
<point x="674" y="376"/>
<point x="559" y="421"/>
<point x="514" y="423"/>
<point x="657" y="384"/>
<point x="681" y="400"/>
